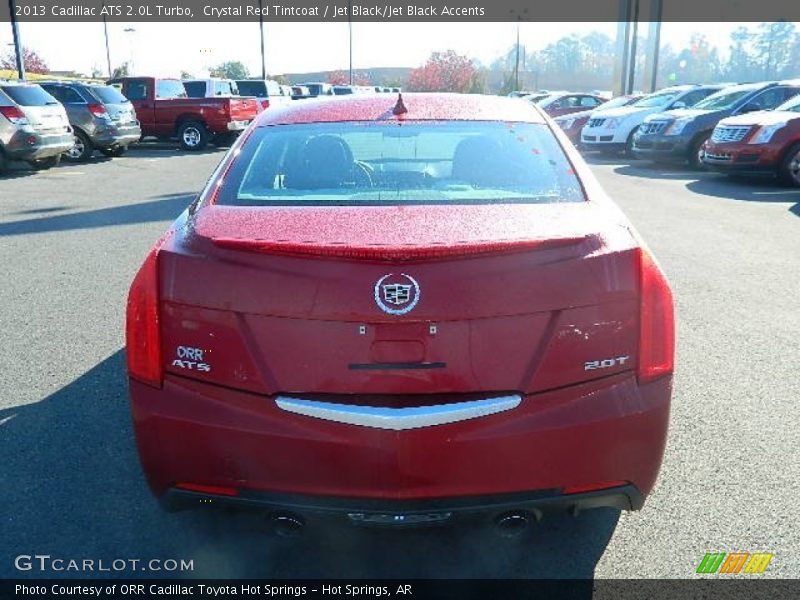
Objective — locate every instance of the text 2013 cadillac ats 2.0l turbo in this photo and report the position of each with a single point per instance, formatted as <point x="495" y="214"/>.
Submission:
<point x="401" y="311"/>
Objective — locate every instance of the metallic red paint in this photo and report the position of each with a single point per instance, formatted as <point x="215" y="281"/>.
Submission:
<point x="515" y="299"/>
<point x="605" y="430"/>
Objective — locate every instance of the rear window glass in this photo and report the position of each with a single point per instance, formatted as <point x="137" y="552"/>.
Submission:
<point x="64" y="94"/>
<point x="252" y="88"/>
<point x="170" y="88"/>
<point x="28" y="95"/>
<point x="195" y="89"/>
<point x="108" y="95"/>
<point x="225" y="88"/>
<point x="378" y="163"/>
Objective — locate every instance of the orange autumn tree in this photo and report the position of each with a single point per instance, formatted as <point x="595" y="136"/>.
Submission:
<point x="443" y="72"/>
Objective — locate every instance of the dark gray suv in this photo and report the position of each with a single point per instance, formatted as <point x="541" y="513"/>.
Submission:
<point x="680" y="134"/>
<point x="102" y="118"/>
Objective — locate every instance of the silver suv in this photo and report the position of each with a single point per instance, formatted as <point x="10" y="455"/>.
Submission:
<point x="101" y="117"/>
<point x="33" y="126"/>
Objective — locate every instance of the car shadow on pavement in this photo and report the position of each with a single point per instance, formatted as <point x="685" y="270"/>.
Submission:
<point x="162" y="208"/>
<point x="72" y="488"/>
<point x="167" y="149"/>
<point x="654" y="170"/>
<point x="749" y="189"/>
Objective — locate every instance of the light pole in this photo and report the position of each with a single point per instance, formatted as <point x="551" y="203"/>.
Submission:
<point x="261" y="30"/>
<point x="519" y="17"/>
<point x="131" y="31"/>
<point x="12" y="10"/>
<point x="108" y="52"/>
<point x="350" y="33"/>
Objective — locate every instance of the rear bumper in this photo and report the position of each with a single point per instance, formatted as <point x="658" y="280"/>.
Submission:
<point x="114" y="136"/>
<point x="33" y="145"/>
<point x="360" y="511"/>
<point x="602" y="431"/>
<point x="238" y="125"/>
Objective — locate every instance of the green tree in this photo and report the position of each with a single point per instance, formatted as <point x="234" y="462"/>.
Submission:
<point x="186" y="75"/>
<point x="773" y="46"/>
<point x="741" y="61"/>
<point x="122" y="70"/>
<point x="231" y="69"/>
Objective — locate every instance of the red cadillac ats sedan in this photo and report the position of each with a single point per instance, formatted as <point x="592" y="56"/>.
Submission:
<point x="401" y="311"/>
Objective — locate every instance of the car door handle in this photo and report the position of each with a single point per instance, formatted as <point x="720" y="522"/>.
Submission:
<point x="398" y="418"/>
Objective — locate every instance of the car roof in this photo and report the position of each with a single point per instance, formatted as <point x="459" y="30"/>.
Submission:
<point x="748" y="86"/>
<point x="420" y="106"/>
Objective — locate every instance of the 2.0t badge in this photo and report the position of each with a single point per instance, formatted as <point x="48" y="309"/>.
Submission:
<point x="396" y="294"/>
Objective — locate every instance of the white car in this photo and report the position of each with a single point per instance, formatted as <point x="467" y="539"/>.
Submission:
<point x="612" y="131"/>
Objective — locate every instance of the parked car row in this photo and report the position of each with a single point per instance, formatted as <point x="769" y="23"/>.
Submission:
<point x="733" y="128"/>
<point x="41" y="123"/>
<point x="165" y="111"/>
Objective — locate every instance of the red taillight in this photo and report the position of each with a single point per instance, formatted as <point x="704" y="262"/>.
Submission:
<point x="657" y="321"/>
<point x="142" y="328"/>
<point x="592" y="487"/>
<point x="14" y="114"/>
<point x="208" y="489"/>
<point x="98" y="110"/>
<point x="264" y="103"/>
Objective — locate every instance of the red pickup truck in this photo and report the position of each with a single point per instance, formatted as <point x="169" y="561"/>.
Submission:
<point x="165" y="111"/>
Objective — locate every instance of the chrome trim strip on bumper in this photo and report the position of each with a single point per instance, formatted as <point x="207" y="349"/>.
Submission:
<point x="398" y="419"/>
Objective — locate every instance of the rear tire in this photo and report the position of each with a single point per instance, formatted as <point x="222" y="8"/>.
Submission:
<point x="114" y="152"/>
<point x="696" y="152"/>
<point x="789" y="171"/>
<point x="42" y="164"/>
<point x="225" y="139"/>
<point x="193" y="136"/>
<point x="82" y="150"/>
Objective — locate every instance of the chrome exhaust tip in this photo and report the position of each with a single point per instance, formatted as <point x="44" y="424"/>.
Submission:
<point x="512" y="524"/>
<point x="286" y="524"/>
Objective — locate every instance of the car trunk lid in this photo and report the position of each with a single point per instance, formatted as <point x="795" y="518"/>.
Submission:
<point x="478" y="300"/>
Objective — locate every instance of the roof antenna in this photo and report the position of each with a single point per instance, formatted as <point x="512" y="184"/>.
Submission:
<point x="399" y="108"/>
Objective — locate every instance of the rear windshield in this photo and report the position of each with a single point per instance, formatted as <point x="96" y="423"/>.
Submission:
<point x="28" y="95"/>
<point x="108" y="95"/>
<point x="252" y="88"/>
<point x="391" y="163"/>
<point x="195" y="89"/>
<point x="722" y="100"/>
<point x="225" y="88"/>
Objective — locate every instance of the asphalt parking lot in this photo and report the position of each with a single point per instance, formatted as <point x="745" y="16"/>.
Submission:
<point x="72" y="238"/>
